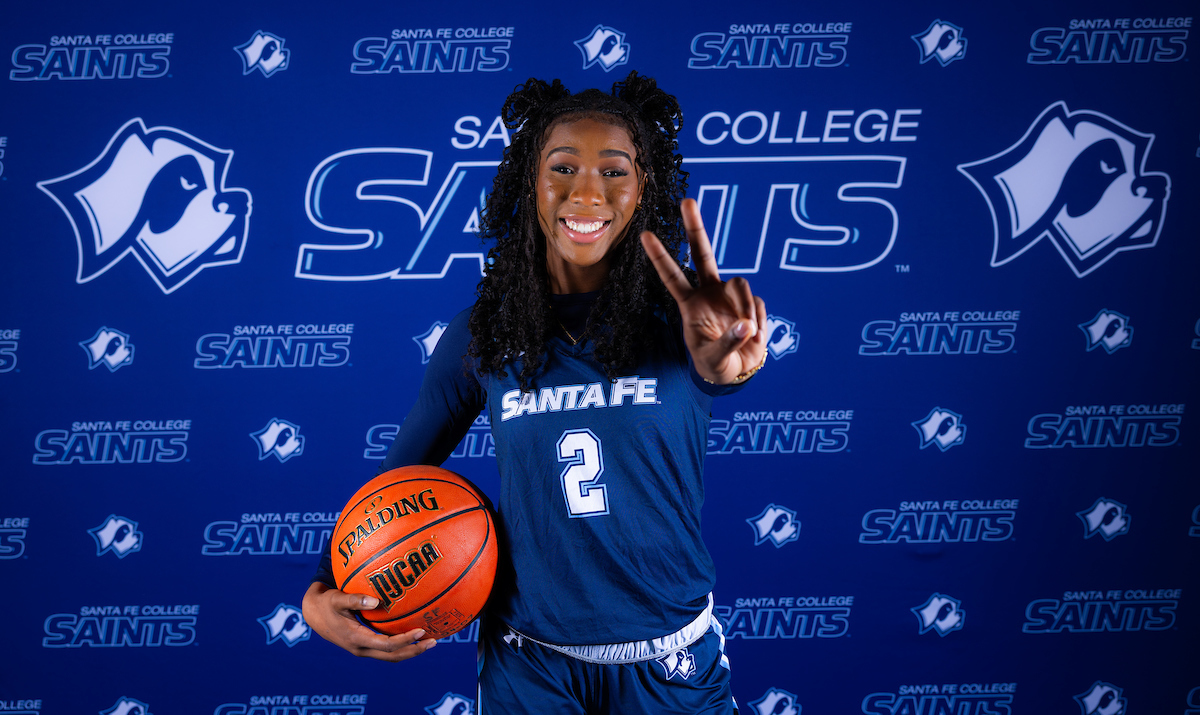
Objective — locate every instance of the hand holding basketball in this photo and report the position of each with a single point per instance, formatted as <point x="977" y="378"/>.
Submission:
<point x="330" y="613"/>
<point x="421" y="541"/>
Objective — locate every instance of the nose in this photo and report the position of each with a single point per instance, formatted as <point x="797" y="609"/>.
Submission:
<point x="587" y="190"/>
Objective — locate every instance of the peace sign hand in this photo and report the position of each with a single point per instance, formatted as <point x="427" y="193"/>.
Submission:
<point x="724" y="324"/>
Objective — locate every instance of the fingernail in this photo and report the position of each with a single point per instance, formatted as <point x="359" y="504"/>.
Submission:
<point x="420" y="634"/>
<point x="741" y="329"/>
<point x="431" y="644"/>
<point x="370" y="602"/>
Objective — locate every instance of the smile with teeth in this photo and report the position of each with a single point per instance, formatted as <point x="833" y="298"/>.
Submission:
<point x="584" y="226"/>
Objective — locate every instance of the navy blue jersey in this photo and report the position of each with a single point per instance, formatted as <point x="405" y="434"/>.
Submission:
<point x="601" y="483"/>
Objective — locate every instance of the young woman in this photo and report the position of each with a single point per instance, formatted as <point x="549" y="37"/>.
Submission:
<point x="597" y="355"/>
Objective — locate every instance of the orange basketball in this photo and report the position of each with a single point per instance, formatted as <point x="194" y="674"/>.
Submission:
<point x="420" y="539"/>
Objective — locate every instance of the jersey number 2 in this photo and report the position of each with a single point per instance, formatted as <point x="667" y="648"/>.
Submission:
<point x="580" y="450"/>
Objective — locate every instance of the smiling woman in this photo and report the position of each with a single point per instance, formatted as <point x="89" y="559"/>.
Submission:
<point x="597" y="355"/>
<point x="588" y="187"/>
<point x="605" y="151"/>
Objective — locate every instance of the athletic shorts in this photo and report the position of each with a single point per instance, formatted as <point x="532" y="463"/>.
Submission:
<point x="521" y="675"/>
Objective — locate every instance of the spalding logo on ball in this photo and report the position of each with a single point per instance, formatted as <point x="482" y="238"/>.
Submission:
<point x="420" y="539"/>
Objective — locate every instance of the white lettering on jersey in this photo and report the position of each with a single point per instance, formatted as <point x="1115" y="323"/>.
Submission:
<point x="561" y="398"/>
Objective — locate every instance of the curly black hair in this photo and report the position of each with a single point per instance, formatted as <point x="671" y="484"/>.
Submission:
<point x="512" y="316"/>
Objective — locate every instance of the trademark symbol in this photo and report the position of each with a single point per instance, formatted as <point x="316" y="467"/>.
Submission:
<point x="902" y="268"/>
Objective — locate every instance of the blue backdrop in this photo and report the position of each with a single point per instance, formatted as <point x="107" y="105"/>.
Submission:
<point x="965" y="481"/>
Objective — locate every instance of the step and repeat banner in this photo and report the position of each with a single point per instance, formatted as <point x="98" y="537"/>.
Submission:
<point x="965" y="483"/>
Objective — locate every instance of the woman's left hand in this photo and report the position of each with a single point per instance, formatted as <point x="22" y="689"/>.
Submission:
<point x="724" y="324"/>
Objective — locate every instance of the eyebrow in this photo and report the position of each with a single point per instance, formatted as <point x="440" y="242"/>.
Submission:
<point x="604" y="153"/>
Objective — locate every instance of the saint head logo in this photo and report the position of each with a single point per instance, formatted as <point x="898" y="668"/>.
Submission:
<point x="160" y="195"/>
<point x="679" y="663"/>
<point x="263" y="52"/>
<point x="108" y="347"/>
<point x="782" y="336"/>
<point x="1106" y="518"/>
<point x="285" y="623"/>
<point x="452" y="704"/>
<point x="1079" y="179"/>
<point x="1109" y="330"/>
<point x="941" y="427"/>
<point x="280" y="438"/>
<point x="776" y="524"/>
<point x="117" y="535"/>
<point x="428" y="340"/>
<point x="776" y="702"/>
<point x="940" y="613"/>
<point x="127" y="706"/>
<point x="1101" y="699"/>
<point x="943" y="42"/>
<point x="605" y="46"/>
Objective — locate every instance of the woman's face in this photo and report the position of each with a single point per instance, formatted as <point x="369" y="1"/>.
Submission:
<point x="588" y="187"/>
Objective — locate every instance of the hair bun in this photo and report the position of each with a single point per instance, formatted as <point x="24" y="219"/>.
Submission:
<point x="654" y="105"/>
<point x="530" y="99"/>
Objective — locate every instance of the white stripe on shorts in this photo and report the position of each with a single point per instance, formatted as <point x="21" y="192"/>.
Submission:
<point x="636" y="651"/>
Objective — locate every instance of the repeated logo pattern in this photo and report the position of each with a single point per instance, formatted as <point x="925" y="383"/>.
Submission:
<point x="897" y="296"/>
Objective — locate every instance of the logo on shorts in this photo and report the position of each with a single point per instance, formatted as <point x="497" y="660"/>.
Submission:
<point x="1109" y="330"/>
<point x="1101" y="699"/>
<point x="1078" y="178"/>
<point x="940" y="613"/>
<point x="452" y="704"/>
<point x="128" y="706"/>
<point x="776" y="702"/>
<point x="776" y="524"/>
<point x="428" y="340"/>
<point x="605" y="46"/>
<point x="160" y="195"/>
<point x="782" y="338"/>
<point x="280" y="438"/>
<point x="117" y="535"/>
<point x="1106" y="518"/>
<point x="943" y="42"/>
<point x="681" y="663"/>
<point x="263" y="52"/>
<point x="285" y="623"/>
<point x="941" y="427"/>
<point x="110" y="348"/>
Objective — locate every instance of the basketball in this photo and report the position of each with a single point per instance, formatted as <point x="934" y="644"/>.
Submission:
<point x="422" y="540"/>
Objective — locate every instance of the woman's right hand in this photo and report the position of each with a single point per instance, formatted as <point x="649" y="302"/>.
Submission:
<point x="330" y="613"/>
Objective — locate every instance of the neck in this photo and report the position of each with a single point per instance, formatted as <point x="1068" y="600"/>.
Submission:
<point x="566" y="278"/>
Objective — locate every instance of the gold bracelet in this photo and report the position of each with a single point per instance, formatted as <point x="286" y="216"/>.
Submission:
<point x="745" y="375"/>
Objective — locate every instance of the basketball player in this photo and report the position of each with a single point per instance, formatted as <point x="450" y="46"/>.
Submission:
<point x="597" y="355"/>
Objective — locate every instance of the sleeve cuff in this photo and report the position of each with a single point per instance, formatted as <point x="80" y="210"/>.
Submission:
<point x="711" y="389"/>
